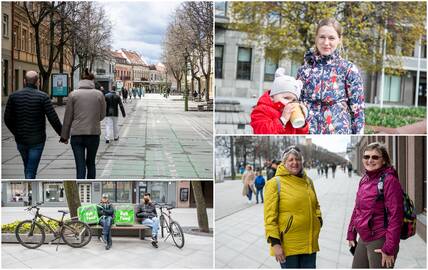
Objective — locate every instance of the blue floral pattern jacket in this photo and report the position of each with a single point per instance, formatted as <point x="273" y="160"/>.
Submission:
<point x="333" y="93"/>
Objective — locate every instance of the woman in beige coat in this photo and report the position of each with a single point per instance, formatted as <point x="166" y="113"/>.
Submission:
<point x="248" y="182"/>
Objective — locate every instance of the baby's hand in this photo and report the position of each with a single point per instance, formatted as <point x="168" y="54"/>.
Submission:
<point x="286" y="113"/>
<point x="304" y="109"/>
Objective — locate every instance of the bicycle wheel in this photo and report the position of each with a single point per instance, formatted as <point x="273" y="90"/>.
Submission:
<point x="162" y="224"/>
<point x="30" y="234"/>
<point x="177" y="234"/>
<point x="76" y="233"/>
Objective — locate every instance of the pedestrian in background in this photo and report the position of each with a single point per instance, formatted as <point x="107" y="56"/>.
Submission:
<point x="124" y="94"/>
<point x="24" y="116"/>
<point x="259" y="183"/>
<point x="326" y="170"/>
<point x="113" y="101"/>
<point x="292" y="215"/>
<point x="134" y="92"/>
<point x="86" y="108"/>
<point x="333" y="169"/>
<point x="105" y="212"/>
<point x="248" y="183"/>
<point x="379" y="231"/>
<point x="271" y="171"/>
<point x="139" y="92"/>
<point x="349" y="169"/>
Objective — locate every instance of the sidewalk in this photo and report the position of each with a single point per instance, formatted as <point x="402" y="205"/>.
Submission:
<point x="240" y="240"/>
<point x="125" y="253"/>
<point x="157" y="140"/>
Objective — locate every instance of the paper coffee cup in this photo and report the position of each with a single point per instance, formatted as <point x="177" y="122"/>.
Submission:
<point x="297" y="118"/>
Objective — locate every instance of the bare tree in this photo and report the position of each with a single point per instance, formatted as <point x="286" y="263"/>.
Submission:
<point x="201" y="207"/>
<point x="72" y="195"/>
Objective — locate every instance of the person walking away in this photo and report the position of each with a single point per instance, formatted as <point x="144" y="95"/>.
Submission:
<point x="147" y="211"/>
<point x="139" y="92"/>
<point x="113" y="101"/>
<point x="378" y="213"/>
<point x="326" y="170"/>
<point x="333" y="169"/>
<point x="24" y="116"/>
<point x="105" y="212"/>
<point x="124" y="94"/>
<point x="259" y="183"/>
<point x="248" y="182"/>
<point x="86" y="108"/>
<point x="272" y="169"/>
<point x="349" y="169"/>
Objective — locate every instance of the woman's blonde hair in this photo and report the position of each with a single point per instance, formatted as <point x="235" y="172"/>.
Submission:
<point x="330" y="22"/>
<point x="381" y="148"/>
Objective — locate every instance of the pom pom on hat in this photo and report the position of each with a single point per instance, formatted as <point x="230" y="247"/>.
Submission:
<point x="283" y="83"/>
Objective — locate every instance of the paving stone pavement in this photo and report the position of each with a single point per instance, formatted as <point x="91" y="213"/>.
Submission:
<point x="158" y="140"/>
<point x="239" y="231"/>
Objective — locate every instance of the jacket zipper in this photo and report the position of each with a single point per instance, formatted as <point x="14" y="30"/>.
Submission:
<point x="310" y="212"/>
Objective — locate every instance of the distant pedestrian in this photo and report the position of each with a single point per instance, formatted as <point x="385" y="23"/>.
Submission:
<point x="25" y="116"/>
<point x="378" y="213"/>
<point x="319" y="170"/>
<point x="86" y="108"/>
<point x="326" y="170"/>
<point x="113" y="101"/>
<point x="143" y="90"/>
<point x="349" y="169"/>
<point x="271" y="171"/>
<point x="195" y="95"/>
<point x="292" y="215"/>
<point x="259" y="183"/>
<point x="105" y="212"/>
<point x="124" y="94"/>
<point x="248" y="183"/>
<point x="139" y="92"/>
<point x="134" y="92"/>
<point x="333" y="169"/>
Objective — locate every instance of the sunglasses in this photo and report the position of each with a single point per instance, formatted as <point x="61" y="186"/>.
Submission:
<point x="374" y="157"/>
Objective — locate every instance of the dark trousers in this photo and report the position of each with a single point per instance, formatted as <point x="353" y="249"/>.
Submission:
<point x="365" y="257"/>
<point x="85" y="149"/>
<point x="259" y="191"/>
<point x="300" y="261"/>
<point x="106" y="222"/>
<point x="31" y="155"/>
<point x="249" y="193"/>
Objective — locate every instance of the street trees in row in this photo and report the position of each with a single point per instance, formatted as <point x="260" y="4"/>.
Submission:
<point x="187" y="47"/>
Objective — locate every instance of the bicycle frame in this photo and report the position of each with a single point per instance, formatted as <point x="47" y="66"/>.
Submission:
<point x="41" y="216"/>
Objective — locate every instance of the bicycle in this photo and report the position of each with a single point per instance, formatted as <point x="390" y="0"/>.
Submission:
<point x="31" y="234"/>
<point x="172" y="227"/>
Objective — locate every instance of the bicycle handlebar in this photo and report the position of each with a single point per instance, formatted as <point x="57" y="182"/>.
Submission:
<point x="35" y="206"/>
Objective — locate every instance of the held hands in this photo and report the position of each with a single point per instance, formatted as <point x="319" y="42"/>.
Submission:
<point x="64" y="141"/>
<point x="279" y="253"/>
<point x="386" y="259"/>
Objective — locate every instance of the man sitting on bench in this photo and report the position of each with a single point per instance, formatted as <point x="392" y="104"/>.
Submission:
<point x="147" y="211"/>
<point x="105" y="212"/>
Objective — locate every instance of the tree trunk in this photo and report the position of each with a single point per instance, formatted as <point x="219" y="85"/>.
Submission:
<point x="200" y="206"/>
<point x="232" y="158"/>
<point x="186" y="88"/>
<point x="61" y="53"/>
<point x="199" y="87"/>
<point x="72" y="195"/>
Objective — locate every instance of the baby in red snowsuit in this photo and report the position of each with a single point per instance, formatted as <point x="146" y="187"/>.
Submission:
<point x="272" y="113"/>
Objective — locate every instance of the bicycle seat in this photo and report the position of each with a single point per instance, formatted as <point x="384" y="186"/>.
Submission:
<point x="63" y="211"/>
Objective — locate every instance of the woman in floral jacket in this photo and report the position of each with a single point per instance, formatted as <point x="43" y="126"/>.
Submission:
<point x="332" y="86"/>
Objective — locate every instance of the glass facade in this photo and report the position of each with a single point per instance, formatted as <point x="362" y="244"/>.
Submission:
<point x="119" y="192"/>
<point x="53" y="192"/>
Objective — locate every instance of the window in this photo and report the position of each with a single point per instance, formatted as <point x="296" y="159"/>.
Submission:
<point x="18" y="192"/>
<point x="244" y="64"/>
<point x="5" y="84"/>
<point x="119" y="192"/>
<point x="101" y="71"/>
<point x="391" y="90"/>
<point x="219" y="61"/>
<point x="24" y="40"/>
<point x="53" y="192"/>
<point x="270" y="68"/>
<point x="220" y="8"/>
<point x="17" y="38"/>
<point x="5" y="25"/>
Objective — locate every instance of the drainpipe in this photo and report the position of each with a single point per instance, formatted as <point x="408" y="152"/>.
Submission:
<point x="418" y="73"/>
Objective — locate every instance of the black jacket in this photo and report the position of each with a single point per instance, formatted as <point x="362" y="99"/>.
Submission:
<point x="113" y="101"/>
<point x="270" y="173"/>
<point x="146" y="210"/>
<point x="105" y="209"/>
<point x="25" y="115"/>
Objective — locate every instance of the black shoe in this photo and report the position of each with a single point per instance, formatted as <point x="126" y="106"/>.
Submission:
<point x="155" y="244"/>
<point x="108" y="247"/>
<point x="116" y="139"/>
<point x="107" y="141"/>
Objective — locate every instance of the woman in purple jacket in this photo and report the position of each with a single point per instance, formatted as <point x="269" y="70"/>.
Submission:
<point x="377" y="215"/>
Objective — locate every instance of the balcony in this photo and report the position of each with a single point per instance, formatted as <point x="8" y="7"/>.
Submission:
<point x="125" y="78"/>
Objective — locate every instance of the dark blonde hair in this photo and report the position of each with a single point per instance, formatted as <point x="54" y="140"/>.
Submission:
<point x="330" y="22"/>
<point x="381" y="148"/>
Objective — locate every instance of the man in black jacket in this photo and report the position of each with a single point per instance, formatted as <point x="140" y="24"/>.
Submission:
<point x="105" y="212"/>
<point x="147" y="211"/>
<point x="112" y="113"/>
<point x="24" y="116"/>
<point x="271" y="171"/>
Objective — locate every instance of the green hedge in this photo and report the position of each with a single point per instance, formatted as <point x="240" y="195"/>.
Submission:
<point x="10" y="227"/>
<point x="394" y="117"/>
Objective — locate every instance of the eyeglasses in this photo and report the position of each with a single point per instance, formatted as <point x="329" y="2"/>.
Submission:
<point x="374" y="157"/>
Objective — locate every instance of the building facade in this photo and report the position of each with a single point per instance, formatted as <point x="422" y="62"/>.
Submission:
<point x="408" y="155"/>
<point x="104" y="72"/>
<point x="51" y="193"/>
<point x="123" y="71"/>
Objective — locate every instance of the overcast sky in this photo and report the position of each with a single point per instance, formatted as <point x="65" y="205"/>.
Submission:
<point x="140" y="26"/>
<point x="333" y="143"/>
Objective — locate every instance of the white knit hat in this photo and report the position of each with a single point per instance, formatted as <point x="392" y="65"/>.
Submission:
<point x="284" y="83"/>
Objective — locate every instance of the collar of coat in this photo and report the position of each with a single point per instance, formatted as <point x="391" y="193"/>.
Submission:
<point x="86" y="84"/>
<point x="282" y="171"/>
<point x="312" y="57"/>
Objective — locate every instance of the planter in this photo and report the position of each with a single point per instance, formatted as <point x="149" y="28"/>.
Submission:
<point x="11" y="238"/>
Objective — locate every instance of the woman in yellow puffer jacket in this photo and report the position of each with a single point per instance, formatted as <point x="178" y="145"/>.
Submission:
<point x="293" y="229"/>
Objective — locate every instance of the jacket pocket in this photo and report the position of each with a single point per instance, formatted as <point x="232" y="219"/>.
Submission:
<point x="288" y="225"/>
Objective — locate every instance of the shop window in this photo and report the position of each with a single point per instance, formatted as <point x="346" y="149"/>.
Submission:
<point x="53" y="192"/>
<point x="244" y="64"/>
<point x="118" y="192"/>
<point x="391" y="90"/>
<point x="18" y="192"/>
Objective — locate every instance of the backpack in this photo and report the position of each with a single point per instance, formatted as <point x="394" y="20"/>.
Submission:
<point x="260" y="182"/>
<point x="408" y="228"/>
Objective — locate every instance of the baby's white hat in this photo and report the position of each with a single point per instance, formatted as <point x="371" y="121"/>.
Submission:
<point x="283" y="83"/>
